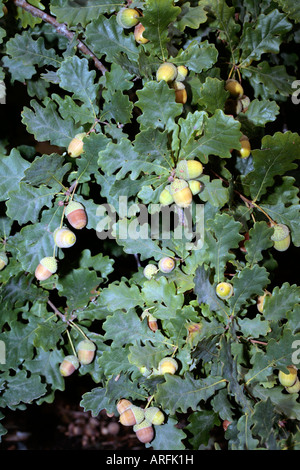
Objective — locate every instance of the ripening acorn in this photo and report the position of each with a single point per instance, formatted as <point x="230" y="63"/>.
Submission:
<point x="180" y="92"/>
<point x="123" y="405"/>
<point x="168" y="365"/>
<point x="166" y="197"/>
<point x="195" y="186"/>
<point x="224" y="290"/>
<point x="245" y="103"/>
<point x="128" y="17"/>
<point x="234" y="87"/>
<point x="154" y="415"/>
<point x="3" y="260"/>
<point x="281" y="237"/>
<point x="151" y="320"/>
<point x="75" y="148"/>
<point x="86" y="351"/>
<point x="181" y="193"/>
<point x="69" y="365"/>
<point x="133" y="415"/>
<point x="144" y="431"/>
<point x="46" y="267"/>
<point x="63" y="237"/>
<point x="295" y="388"/>
<point x="138" y="34"/>
<point x="246" y="147"/>
<point x="289" y="379"/>
<point x="76" y="215"/>
<point x="167" y="72"/>
<point x="182" y="72"/>
<point x="150" y="270"/>
<point x="166" y="264"/>
<point x="189" y="169"/>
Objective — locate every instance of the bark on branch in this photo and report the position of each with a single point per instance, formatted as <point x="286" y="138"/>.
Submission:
<point x="62" y="29"/>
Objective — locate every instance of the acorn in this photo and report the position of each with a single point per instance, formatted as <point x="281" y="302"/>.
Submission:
<point x="181" y="193"/>
<point x="246" y="147"/>
<point x="195" y="186"/>
<point x="138" y="34"/>
<point x="234" y="87"/>
<point x="166" y="197"/>
<point x="150" y="270"/>
<point x="166" y="264"/>
<point x="86" y="351"/>
<point x="261" y="301"/>
<point x="133" y="415"/>
<point x="3" y="260"/>
<point x="167" y="72"/>
<point x="180" y="92"/>
<point x="76" y="215"/>
<point x="154" y="415"/>
<point x="245" y="102"/>
<point x="295" y="388"/>
<point x="189" y="169"/>
<point x="46" y="267"/>
<point x="289" y="379"/>
<point x="127" y="17"/>
<point x="151" y="320"/>
<point x="63" y="237"/>
<point x="75" y="148"/>
<point x="281" y="237"/>
<point x="69" y="365"/>
<point x="182" y="72"/>
<point x="123" y="405"/>
<point x="224" y="290"/>
<point x="168" y="365"/>
<point x="144" y="431"/>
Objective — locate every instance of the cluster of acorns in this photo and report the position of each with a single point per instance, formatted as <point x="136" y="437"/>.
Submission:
<point x="63" y="238"/>
<point x="128" y="18"/>
<point x="165" y="265"/>
<point x="174" y="76"/>
<point x="290" y="380"/>
<point x="85" y="355"/>
<point x="184" y="186"/>
<point x="141" y="419"/>
<point x="236" y="104"/>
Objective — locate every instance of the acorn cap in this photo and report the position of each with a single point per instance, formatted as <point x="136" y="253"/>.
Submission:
<point x="178" y="185"/>
<point x="73" y="206"/>
<point x="50" y="263"/>
<point x="154" y="415"/>
<point x="281" y="232"/>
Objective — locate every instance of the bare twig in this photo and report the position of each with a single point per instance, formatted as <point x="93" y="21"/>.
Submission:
<point x="62" y="29"/>
<point x="55" y="310"/>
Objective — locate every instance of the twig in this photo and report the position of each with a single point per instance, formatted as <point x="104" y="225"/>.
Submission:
<point x="58" y="313"/>
<point x="62" y="29"/>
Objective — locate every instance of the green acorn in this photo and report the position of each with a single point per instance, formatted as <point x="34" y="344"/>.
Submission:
<point x="63" y="237"/>
<point x="281" y="237"/>
<point x="224" y="290"/>
<point x="167" y="365"/>
<point x="289" y="379"/>
<point x="234" y="87"/>
<point x="166" y="197"/>
<point x="295" y="388"/>
<point x="195" y="186"/>
<point x="182" y="72"/>
<point x="189" y="169"/>
<point x="167" y="72"/>
<point x="154" y="415"/>
<point x="128" y="17"/>
<point x="150" y="270"/>
<point x="69" y="365"/>
<point x="3" y="260"/>
<point x="86" y="351"/>
<point x="75" y="148"/>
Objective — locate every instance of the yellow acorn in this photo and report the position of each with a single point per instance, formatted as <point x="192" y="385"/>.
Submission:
<point x="168" y="365"/>
<point x="144" y="431"/>
<point x="246" y="147"/>
<point x="166" y="264"/>
<point x="138" y="34"/>
<point x="63" y="237"/>
<point x="46" y="267"/>
<point x="195" y="186"/>
<point x="127" y="17"/>
<point x="181" y="193"/>
<point x="281" y="237"/>
<point x="76" y="215"/>
<point x="75" y="148"/>
<point x="234" y="87"/>
<point x="131" y="416"/>
<point x="166" y="197"/>
<point x="182" y="72"/>
<point x="154" y="415"/>
<point x="224" y="290"/>
<point x="86" y="351"/>
<point x="3" y="260"/>
<point x="69" y="365"/>
<point x="189" y="169"/>
<point x="123" y="405"/>
<point x="150" y="270"/>
<point x="167" y="72"/>
<point x="295" y="388"/>
<point x="289" y="379"/>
